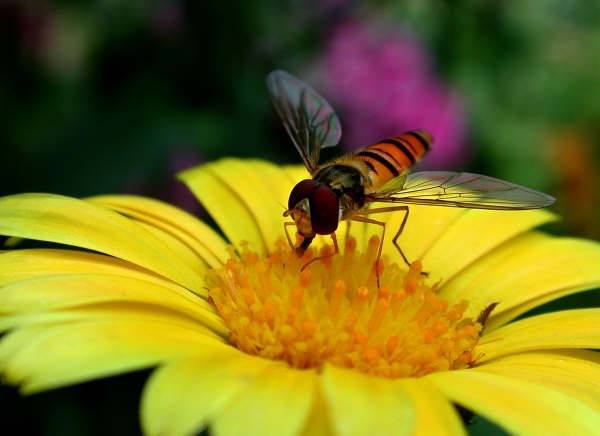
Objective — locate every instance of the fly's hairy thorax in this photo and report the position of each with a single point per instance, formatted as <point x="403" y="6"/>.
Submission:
<point x="349" y="184"/>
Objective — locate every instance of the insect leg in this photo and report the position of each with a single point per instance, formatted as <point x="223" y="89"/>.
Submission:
<point x="399" y="232"/>
<point x="287" y="234"/>
<point x="404" y="209"/>
<point x="335" y="243"/>
<point x="363" y="219"/>
<point x="314" y="259"/>
<point x="383" y="209"/>
<point x="485" y="314"/>
<point x="347" y="230"/>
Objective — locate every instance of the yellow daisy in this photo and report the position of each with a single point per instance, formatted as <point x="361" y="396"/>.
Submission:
<point x="245" y="343"/>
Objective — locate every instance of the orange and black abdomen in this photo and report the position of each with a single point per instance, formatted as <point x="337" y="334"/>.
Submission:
<point x="391" y="157"/>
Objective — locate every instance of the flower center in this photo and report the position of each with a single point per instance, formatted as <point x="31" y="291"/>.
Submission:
<point x="333" y="312"/>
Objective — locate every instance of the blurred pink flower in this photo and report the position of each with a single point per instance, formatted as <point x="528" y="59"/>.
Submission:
<point x="384" y="84"/>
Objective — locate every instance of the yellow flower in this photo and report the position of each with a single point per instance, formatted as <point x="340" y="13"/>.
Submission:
<point x="247" y="344"/>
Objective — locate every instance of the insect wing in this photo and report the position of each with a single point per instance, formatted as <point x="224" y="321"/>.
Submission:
<point x="308" y="118"/>
<point x="394" y="185"/>
<point x="475" y="191"/>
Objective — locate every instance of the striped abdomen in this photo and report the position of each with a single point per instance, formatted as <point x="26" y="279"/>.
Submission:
<point x="393" y="156"/>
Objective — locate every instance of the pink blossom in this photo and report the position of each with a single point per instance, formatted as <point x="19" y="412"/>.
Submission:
<point x="384" y="84"/>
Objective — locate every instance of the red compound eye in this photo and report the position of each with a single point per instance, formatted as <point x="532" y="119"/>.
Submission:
<point x="302" y="190"/>
<point x="324" y="210"/>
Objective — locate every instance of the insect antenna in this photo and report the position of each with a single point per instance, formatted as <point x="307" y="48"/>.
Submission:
<point x="283" y="206"/>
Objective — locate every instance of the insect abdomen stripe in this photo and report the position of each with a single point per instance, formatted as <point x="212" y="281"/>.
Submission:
<point x="380" y="159"/>
<point x="393" y="156"/>
<point x="414" y="145"/>
<point x="417" y="134"/>
<point x="369" y="165"/>
<point x="401" y="147"/>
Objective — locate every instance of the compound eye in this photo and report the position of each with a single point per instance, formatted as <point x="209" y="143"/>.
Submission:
<point x="324" y="210"/>
<point x="302" y="190"/>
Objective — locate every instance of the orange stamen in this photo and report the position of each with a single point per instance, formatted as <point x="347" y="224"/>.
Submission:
<point x="333" y="312"/>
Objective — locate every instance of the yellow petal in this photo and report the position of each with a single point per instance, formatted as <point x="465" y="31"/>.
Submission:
<point x="25" y="264"/>
<point x="181" y="251"/>
<point x="70" y="290"/>
<point x="424" y="227"/>
<point x="474" y="234"/>
<point x="44" y="357"/>
<point x="528" y="271"/>
<point x="295" y="173"/>
<point x="75" y="222"/>
<point x="318" y="422"/>
<point x="518" y="406"/>
<point x="435" y="415"/>
<point x="245" y="198"/>
<point x="362" y="404"/>
<point x="574" y="372"/>
<point x="109" y="311"/>
<point x="182" y="397"/>
<point x="200" y="238"/>
<point x="231" y="212"/>
<point x="565" y="329"/>
<point x="277" y="402"/>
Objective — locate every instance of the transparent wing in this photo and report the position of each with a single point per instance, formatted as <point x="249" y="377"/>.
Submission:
<point x="307" y="117"/>
<point x="394" y="185"/>
<point x="443" y="188"/>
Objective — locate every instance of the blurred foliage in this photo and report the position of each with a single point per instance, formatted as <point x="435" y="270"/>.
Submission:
<point x="94" y="96"/>
<point x="527" y="73"/>
<point x="97" y="97"/>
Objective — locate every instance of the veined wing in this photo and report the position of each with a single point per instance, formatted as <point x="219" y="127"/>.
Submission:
<point x="394" y="185"/>
<point x="475" y="191"/>
<point x="307" y="117"/>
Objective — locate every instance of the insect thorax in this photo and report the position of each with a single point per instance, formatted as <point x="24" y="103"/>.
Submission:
<point x="347" y="182"/>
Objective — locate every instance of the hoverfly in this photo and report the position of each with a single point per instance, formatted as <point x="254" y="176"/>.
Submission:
<point x="346" y="187"/>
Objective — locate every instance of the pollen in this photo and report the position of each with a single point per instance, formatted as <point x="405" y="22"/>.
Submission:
<point x="332" y="311"/>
